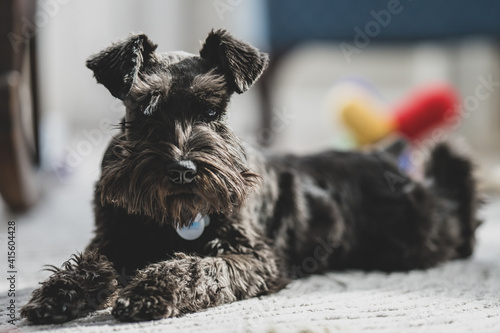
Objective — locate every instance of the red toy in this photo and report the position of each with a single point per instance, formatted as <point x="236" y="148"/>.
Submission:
<point x="425" y="109"/>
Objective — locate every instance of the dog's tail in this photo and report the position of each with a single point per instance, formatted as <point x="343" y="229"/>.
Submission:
<point x="451" y="176"/>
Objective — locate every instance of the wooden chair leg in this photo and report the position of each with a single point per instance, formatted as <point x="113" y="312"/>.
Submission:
<point x="265" y="89"/>
<point x="19" y="184"/>
<point x="19" y="158"/>
<point x="35" y="98"/>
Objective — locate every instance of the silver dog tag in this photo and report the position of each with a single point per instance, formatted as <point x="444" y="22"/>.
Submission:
<point x="195" y="230"/>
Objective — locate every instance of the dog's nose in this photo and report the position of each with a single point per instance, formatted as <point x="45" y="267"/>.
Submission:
<point x="182" y="172"/>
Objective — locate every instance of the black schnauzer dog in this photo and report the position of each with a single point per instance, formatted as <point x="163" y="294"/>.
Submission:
<point x="187" y="217"/>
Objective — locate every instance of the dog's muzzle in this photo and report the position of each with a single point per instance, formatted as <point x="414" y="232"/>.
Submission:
<point x="181" y="172"/>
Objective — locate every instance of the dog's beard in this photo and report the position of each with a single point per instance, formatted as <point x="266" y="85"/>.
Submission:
<point x="134" y="178"/>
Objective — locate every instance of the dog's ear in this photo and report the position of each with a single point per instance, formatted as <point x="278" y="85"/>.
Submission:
<point x="241" y="63"/>
<point x="118" y="66"/>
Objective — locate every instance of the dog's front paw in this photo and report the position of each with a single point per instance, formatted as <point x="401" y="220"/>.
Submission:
<point x="140" y="307"/>
<point x="49" y="311"/>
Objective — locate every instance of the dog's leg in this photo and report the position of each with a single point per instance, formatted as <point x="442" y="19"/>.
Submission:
<point x="452" y="177"/>
<point x="190" y="283"/>
<point x="83" y="284"/>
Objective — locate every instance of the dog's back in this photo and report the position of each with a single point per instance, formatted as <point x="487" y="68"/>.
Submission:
<point x="358" y="210"/>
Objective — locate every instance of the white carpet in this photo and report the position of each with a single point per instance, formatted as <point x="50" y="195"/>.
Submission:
<point x="460" y="296"/>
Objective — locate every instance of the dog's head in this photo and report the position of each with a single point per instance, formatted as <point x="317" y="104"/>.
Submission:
<point x="175" y="156"/>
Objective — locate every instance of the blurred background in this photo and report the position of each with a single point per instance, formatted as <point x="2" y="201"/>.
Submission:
<point x="56" y="121"/>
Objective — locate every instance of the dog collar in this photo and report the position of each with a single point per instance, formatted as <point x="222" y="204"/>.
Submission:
<point x="195" y="230"/>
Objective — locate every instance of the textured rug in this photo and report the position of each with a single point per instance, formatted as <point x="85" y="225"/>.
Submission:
<point x="459" y="296"/>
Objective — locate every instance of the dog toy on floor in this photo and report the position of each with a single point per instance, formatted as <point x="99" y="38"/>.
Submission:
<point x="188" y="217"/>
<point x="422" y="111"/>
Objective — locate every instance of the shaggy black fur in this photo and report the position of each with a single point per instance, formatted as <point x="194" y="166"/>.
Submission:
<point x="272" y="217"/>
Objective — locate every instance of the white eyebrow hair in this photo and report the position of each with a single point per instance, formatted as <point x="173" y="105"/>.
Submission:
<point x="148" y="83"/>
<point x="209" y="81"/>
